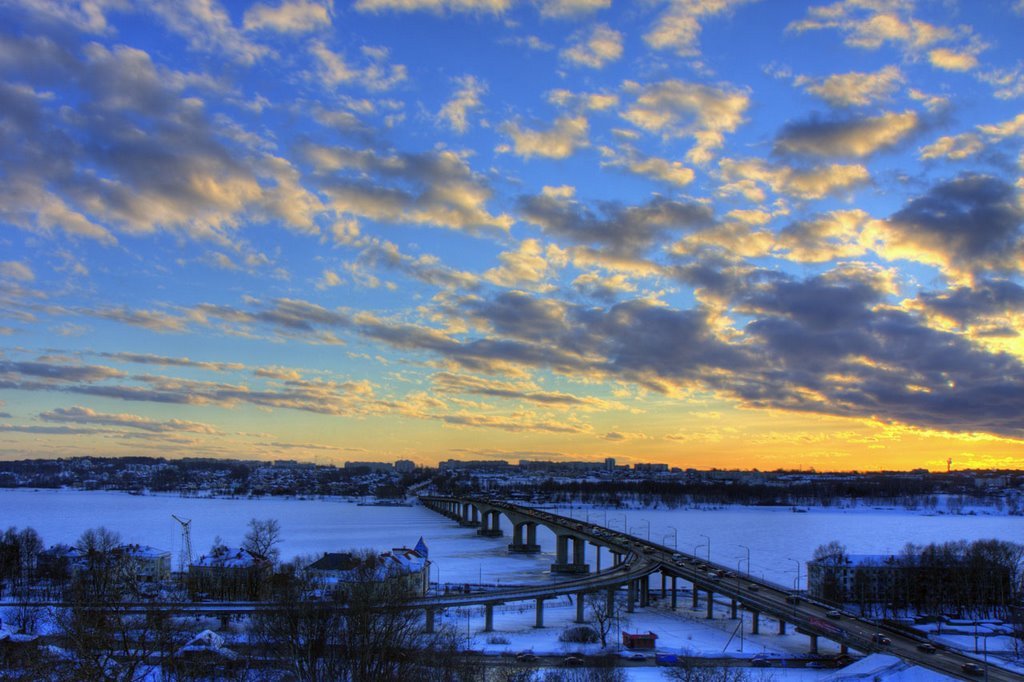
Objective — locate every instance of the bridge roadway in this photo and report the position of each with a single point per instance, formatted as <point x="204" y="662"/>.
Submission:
<point x="744" y="592"/>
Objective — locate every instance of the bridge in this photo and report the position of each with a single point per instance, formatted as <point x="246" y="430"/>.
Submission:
<point x="634" y="560"/>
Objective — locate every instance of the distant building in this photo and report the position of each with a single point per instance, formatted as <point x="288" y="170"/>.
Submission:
<point x="651" y="468"/>
<point x="230" y="574"/>
<point x="474" y="465"/>
<point x="372" y="466"/>
<point x="405" y="466"/>
<point x="609" y="464"/>
<point x="869" y="576"/>
<point x="409" y="567"/>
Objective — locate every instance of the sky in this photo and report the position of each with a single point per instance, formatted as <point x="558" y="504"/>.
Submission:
<point x="711" y="233"/>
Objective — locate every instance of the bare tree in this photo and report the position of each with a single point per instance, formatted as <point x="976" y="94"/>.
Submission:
<point x="262" y="538"/>
<point x="604" y="610"/>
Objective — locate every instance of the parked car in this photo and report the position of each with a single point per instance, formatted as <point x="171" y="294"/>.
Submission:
<point x="573" y="661"/>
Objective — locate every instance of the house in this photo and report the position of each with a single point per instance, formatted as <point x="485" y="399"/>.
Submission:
<point x="409" y="567"/>
<point x="149" y="563"/>
<point x="230" y="574"/>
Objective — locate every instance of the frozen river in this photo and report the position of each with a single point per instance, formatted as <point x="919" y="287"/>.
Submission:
<point x="777" y="538"/>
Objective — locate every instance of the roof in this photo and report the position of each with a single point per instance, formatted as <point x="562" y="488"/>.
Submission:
<point x="335" y="561"/>
<point x="228" y="557"/>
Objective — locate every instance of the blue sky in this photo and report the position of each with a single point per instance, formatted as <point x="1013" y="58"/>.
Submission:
<point x="707" y="232"/>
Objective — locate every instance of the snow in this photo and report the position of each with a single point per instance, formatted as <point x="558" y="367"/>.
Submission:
<point x="778" y="539"/>
<point x="888" y="668"/>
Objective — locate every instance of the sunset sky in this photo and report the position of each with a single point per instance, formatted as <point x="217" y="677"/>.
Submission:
<point x="712" y="233"/>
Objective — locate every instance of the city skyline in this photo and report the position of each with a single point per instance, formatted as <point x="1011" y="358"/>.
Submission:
<point x="710" y="233"/>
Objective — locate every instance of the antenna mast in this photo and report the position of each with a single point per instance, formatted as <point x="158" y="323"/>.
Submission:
<point x="185" y="558"/>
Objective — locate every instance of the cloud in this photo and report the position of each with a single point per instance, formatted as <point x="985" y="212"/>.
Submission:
<point x="678" y="28"/>
<point x="333" y="70"/>
<point x="87" y="416"/>
<point x="951" y="60"/>
<point x="953" y="147"/>
<point x="431" y="188"/>
<point x="1008" y="83"/>
<point x="530" y="264"/>
<point x="869" y="25"/>
<point x="674" y="108"/>
<point x="558" y="142"/>
<point x="291" y="16"/>
<point x="745" y="176"/>
<point x="854" y="89"/>
<point x="155" y="160"/>
<point x="627" y="158"/>
<point x="971" y="223"/>
<point x="447" y="382"/>
<point x="831" y="236"/>
<point x="600" y="47"/>
<point x="165" y="361"/>
<point x="563" y="9"/>
<point x="620" y="229"/>
<point x="16" y="270"/>
<point x="206" y="26"/>
<point x="436" y="6"/>
<point x="857" y="137"/>
<point x="988" y="300"/>
<point x="425" y="268"/>
<point x="467" y="98"/>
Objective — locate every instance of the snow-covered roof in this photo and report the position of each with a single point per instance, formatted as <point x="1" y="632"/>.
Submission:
<point x="228" y="557"/>
<point x="885" y="668"/>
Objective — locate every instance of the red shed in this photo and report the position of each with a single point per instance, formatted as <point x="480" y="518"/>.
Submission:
<point x="638" y="640"/>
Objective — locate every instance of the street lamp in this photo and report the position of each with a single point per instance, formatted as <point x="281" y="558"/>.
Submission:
<point x="709" y="545"/>
<point x="648" y="529"/>
<point x="748" y="558"/>
<point x="695" y="548"/>
<point x="675" y="537"/>
<point x="797" y="572"/>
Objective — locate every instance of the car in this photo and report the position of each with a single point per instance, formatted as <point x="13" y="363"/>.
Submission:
<point x="815" y="664"/>
<point x="834" y="615"/>
<point x="792" y="599"/>
<point x="677" y="556"/>
<point x="879" y="638"/>
<point x="526" y="657"/>
<point x="753" y="587"/>
<point x="633" y="656"/>
<point x="927" y="648"/>
<point x="760" y="662"/>
<point x="572" y="661"/>
<point x="972" y="669"/>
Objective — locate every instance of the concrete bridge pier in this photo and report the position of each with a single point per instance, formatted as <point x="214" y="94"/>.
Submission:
<point x="597" y="552"/>
<point x="782" y="627"/>
<point x="711" y="605"/>
<point x="735" y="608"/>
<point x="695" y="596"/>
<point x="490" y="526"/>
<point x="610" y="604"/>
<point x="529" y="546"/>
<point x="469" y="516"/>
<point x="674" y="600"/>
<point x="562" y="563"/>
<point x="664" y="580"/>
<point x="488" y="617"/>
<point x="631" y="596"/>
<point x="539" y="623"/>
<point x="580" y="605"/>
<point x="814" y="644"/>
<point x="645" y="591"/>
<point x="755" y="622"/>
<point x="428" y="627"/>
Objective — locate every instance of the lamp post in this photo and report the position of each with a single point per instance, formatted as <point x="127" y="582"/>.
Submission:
<point x="797" y="572"/>
<point x="675" y="537"/>
<point x="748" y="558"/>
<point x="695" y="548"/>
<point x="709" y="545"/>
